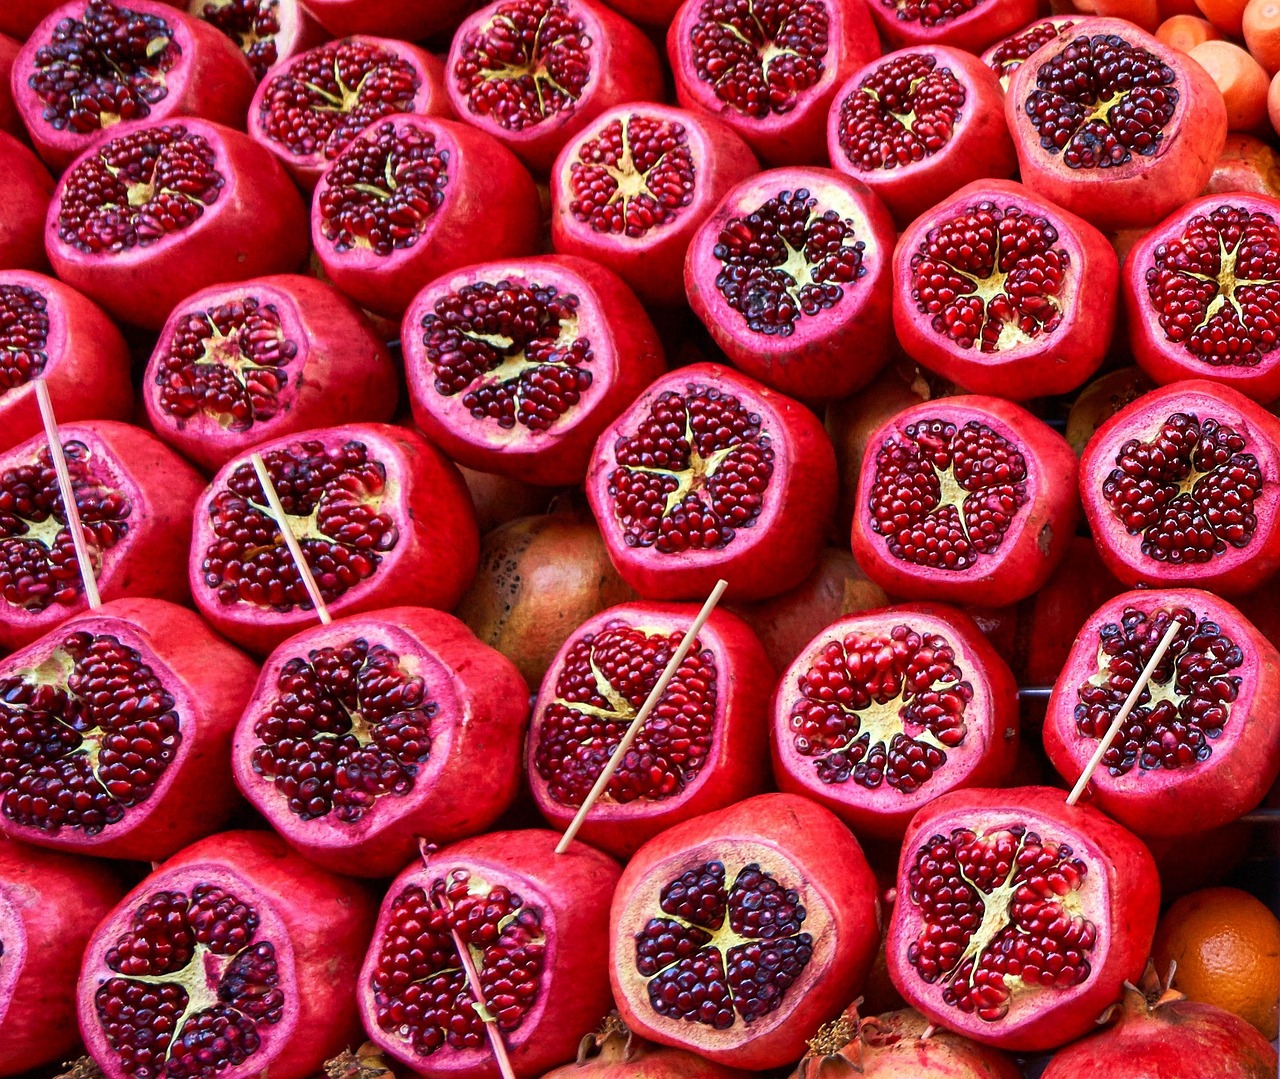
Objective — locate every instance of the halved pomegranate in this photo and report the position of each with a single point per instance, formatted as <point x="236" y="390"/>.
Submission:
<point x="135" y="497"/>
<point x="382" y="516"/>
<point x="365" y="734"/>
<point x="968" y="499"/>
<point x="50" y="331"/>
<point x="769" y="68"/>
<point x="917" y="124"/>
<point x="1180" y="488"/>
<point x="233" y="958"/>
<point x="703" y="746"/>
<point x="791" y="275"/>
<point x="407" y="20"/>
<point x="885" y="711"/>
<point x="143" y="219"/>
<point x="1002" y="291"/>
<point x="533" y="73"/>
<point x="1113" y="125"/>
<point x="707" y="475"/>
<point x="92" y="65"/>
<point x="971" y="25"/>
<point x="268" y="32"/>
<point x="308" y="109"/>
<point x="1005" y="57"/>
<point x="25" y="189"/>
<point x="515" y="367"/>
<point x="414" y="197"/>
<point x="115" y="732"/>
<point x="509" y="897"/>
<point x="632" y="187"/>
<point x="1019" y="917"/>
<point x="735" y="933"/>
<point x="236" y="365"/>
<point x="1202" y="291"/>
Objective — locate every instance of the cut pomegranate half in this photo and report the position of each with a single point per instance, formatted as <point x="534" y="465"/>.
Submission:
<point x="115" y="732"/>
<point x="702" y="748"/>
<point x="971" y="25"/>
<point x="917" y="124"/>
<point x="25" y="190"/>
<point x="1202" y="291"/>
<point x="1181" y="488"/>
<point x="365" y="734"/>
<point x="268" y="32"/>
<point x="236" y="365"/>
<point x="313" y="105"/>
<point x="508" y="896"/>
<point x="97" y="64"/>
<point x="1113" y="125"/>
<point x="414" y="197"/>
<point x="707" y="475"/>
<point x="967" y="499"/>
<point x="516" y="367"/>
<point x="233" y="958"/>
<point x="792" y="276"/>
<point x="382" y="516"/>
<point x="885" y="711"/>
<point x="1005" y="293"/>
<point x="1005" y="57"/>
<point x="631" y="188"/>
<point x="533" y="73"/>
<point x="734" y="934"/>
<point x="1019" y="917"/>
<point x="769" y="68"/>
<point x="135" y="497"/>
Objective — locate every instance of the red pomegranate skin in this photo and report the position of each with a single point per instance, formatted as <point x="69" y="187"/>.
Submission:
<point x="408" y="20"/>
<point x="1246" y="164"/>
<point x="616" y="1053"/>
<point x="10" y="121"/>
<point x="25" y="189"/>
<point x="964" y="24"/>
<point x="49" y="905"/>
<point x="570" y="895"/>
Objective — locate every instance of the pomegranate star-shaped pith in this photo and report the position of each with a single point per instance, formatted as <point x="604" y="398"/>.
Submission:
<point x="930" y="12"/>
<point x="24" y="335"/>
<point x="251" y="24"/>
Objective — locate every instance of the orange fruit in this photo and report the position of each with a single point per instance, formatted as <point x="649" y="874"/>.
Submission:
<point x="1226" y="944"/>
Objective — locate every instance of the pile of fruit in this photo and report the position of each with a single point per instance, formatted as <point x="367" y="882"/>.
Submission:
<point x="638" y="539"/>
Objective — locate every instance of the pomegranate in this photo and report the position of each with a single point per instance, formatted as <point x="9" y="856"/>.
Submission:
<point x="1156" y="1033"/>
<point x="98" y="64"/>
<point x="533" y="73"/>
<point x="711" y="475"/>
<point x="632" y="187"/>
<point x="1005" y="57"/>
<point x="10" y="120"/>
<point x="968" y="499"/>
<point x="516" y="366"/>
<point x="915" y="125"/>
<point x="1019" y="917"/>
<point x="235" y="957"/>
<point x="971" y="25"/>
<point x="382" y="516"/>
<point x="50" y="331"/>
<point x="769" y="68"/>
<point x="25" y="189"/>
<point x="656" y="14"/>
<point x="238" y="364"/>
<point x="407" y="20"/>
<point x="313" y="105"/>
<point x="791" y="275"/>
<point x="734" y="933"/>
<point x="500" y="499"/>
<point x="268" y="32"/>
<point x="415" y="197"/>
<point x="142" y="220"/>
<point x="115" y="732"/>
<point x="49" y="904"/>
<point x="1102" y="399"/>
<point x="507" y="896"/>
<point x="614" y="1052"/>
<point x="135" y="497"/>
<point x="19" y="17"/>
<point x="1246" y="164"/>
<point x="1113" y="125"/>
<point x="1180" y="488"/>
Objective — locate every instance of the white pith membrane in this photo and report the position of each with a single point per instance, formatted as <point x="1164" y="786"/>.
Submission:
<point x="13" y="949"/>
<point x="33" y="333"/>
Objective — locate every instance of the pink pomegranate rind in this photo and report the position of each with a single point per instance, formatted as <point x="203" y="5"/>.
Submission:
<point x="237" y="365"/>
<point x="965" y="499"/>
<point x="25" y="189"/>
<point x="971" y="25"/>
<point x="1018" y="917"/>
<point x="1005" y="57"/>
<point x="1005" y="293"/>
<point x="268" y="32"/>
<point x="736" y="933"/>
<point x="536" y="926"/>
<point x="885" y="711"/>
<point x="632" y="187"/>
<point x="241" y="955"/>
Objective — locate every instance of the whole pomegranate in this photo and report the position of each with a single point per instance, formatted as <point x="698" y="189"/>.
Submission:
<point x="409" y="20"/>
<point x="499" y="500"/>
<point x="614" y="1052"/>
<point x="1100" y="400"/>
<point x="268" y="32"/>
<point x="965" y="24"/>
<point x="1006" y="56"/>
<point x="1246" y="164"/>
<point x="25" y="188"/>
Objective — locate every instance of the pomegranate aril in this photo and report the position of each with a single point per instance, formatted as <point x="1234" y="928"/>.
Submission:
<point x="1005" y="57"/>
<point x="965" y="24"/>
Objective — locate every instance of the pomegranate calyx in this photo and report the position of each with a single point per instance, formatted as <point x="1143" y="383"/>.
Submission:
<point x="613" y="1043"/>
<point x="367" y="1062"/>
<point x="1151" y="993"/>
<point x="80" y="1068"/>
<point x="826" y="1057"/>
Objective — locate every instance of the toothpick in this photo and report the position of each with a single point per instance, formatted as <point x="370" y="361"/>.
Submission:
<point x="655" y="695"/>
<point x="1129" y="702"/>
<point x="69" y="506"/>
<point x="290" y="540"/>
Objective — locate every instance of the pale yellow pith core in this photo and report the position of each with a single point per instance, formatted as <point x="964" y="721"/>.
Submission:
<point x="516" y="364"/>
<point x="534" y="68"/>
<point x="768" y="54"/>
<point x="155" y="46"/>
<point x="692" y="479"/>
<point x="1226" y="282"/>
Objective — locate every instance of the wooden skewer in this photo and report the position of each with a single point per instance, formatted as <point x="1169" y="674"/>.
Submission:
<point x="1129" y="703"/>
<point x="290" y="540"/>
<point x="74" y="526"/>
<point x="655" y="695"/>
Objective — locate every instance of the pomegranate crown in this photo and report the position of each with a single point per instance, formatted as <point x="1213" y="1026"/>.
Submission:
<point x="613" y="1043"/>
<point x="1147" y="997"/>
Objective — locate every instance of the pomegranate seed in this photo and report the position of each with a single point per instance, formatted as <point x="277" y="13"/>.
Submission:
<point x="24" y="334"/>
<point x="930" y="12"/>
<point x="251" y="24"/>
<point x="1005" y="58"/>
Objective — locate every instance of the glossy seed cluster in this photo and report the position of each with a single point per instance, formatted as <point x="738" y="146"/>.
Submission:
<point x="24" y="333"/>
<point x="251" y="24"/>
<point x="932" y="12"/>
